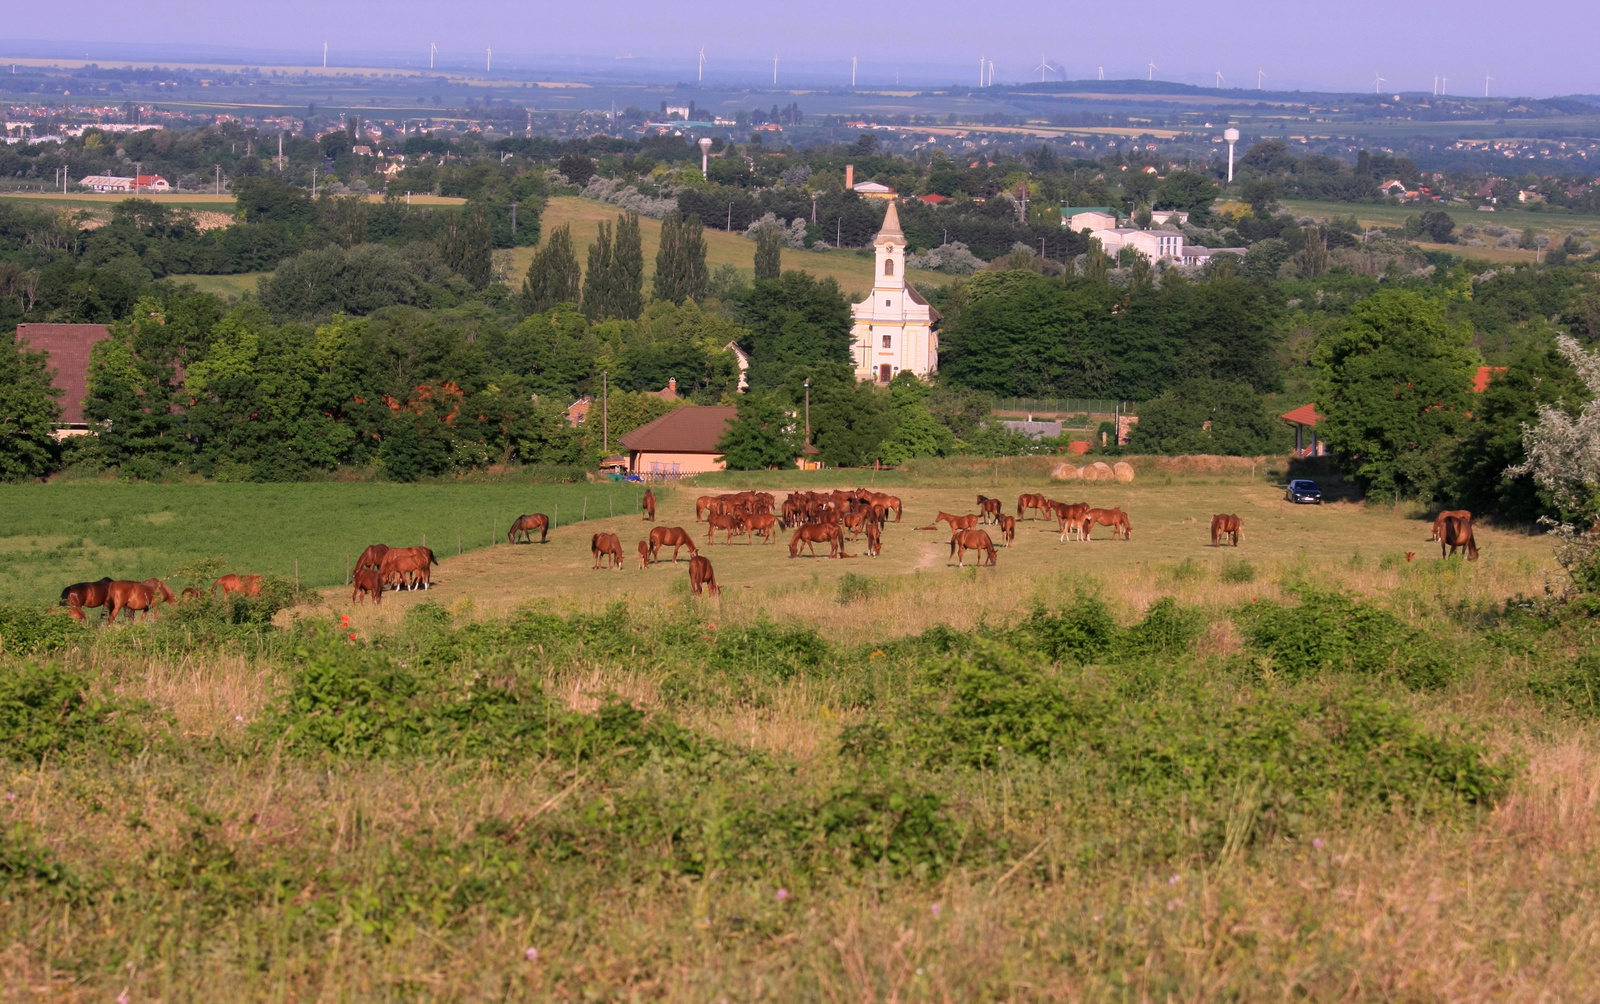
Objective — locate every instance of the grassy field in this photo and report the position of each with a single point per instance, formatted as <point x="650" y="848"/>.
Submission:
<point x="1304" y="768"/>
<point x="853" y="273"/>
<point x="55" y="534"/>
<point x="1555" y="225"/>
<point x="229" y="287"/>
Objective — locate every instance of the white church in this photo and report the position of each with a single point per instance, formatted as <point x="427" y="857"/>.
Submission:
<point x="892" y="330"/>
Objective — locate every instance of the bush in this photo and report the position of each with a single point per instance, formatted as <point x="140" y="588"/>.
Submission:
<point x="1330" y="631"/>
<point x="1574" y="685"/>
<point x="45" y="709"/>
<point x="26" y="631"/>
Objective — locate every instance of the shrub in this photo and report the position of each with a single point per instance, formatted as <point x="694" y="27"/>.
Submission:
<point x="1574" y="685"/>
<point x="1237" y="572"/>
<point x="45" y="709"/>
<point x="1331" y="631"/>
<point x="854" y="587"/>
<point x="26" y="631"/>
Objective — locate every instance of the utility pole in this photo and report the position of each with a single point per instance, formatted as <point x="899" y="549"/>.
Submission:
<point x="219" y="178"/>
<point x="808" y="411"/>
<point x="280" y="153"/>
<point x="513" y="219"/>
<point x="605" y="413"/>
<point x="314" y="186"/>
<point x="138" y="169"/>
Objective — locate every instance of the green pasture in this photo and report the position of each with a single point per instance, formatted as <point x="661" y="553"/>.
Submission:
<point x="1557" y="225"/>
<point x="229" y="287"/>
<point x="55" y="534"/>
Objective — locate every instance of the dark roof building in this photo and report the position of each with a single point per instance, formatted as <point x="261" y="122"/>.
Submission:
<point x="681" y="442"/>
<point x="68" y="347"/>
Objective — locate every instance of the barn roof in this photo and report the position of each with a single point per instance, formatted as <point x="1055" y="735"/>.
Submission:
<point x="690" y="429"/>
<point x="68" y="346"/>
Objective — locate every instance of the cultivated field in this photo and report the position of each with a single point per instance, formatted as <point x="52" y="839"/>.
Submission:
<point x="1554" y="225"/>
<point x="853" y="273"/>
<point x="1153" y="770"/>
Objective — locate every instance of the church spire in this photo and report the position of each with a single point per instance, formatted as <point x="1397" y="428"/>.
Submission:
<point x="891" y="227"/>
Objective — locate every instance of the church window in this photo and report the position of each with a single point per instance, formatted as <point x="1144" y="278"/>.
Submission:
<point x="886" y="340"/>
<point x="888" y="303"/>
<point x="888" y="267"/>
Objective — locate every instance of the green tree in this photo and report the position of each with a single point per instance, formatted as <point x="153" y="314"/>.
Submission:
<point x="850" y="420"/>
<point x="628" y="265"/>
<point x="553" y="276"/>
<point x="1187" y="191"/>
<point x="916" y="432"/>
<point x="1437" y="226"/>
<point x="762" y="434"/>
<point x="599" y="282"/>
<point x="1208" y="416"/>
<point x="795" y="320"/>
<point x="466" y="246"/>
<point x="28" y="413"/>
<point x="1394" y="386"/>
<point x="769" y="252"/>
<point x="681" y="260"/>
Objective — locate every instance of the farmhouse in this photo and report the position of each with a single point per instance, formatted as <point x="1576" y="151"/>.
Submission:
<point x="1153" y="244"/>
<point x="679" y="443"/>
<point x="893" y="328"/>
<point x="68" y="348"/>
<point x="113" y="183"/>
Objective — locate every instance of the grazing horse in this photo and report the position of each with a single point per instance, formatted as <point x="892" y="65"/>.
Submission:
<point x="192" y="594"/>
<point x="1008" y="528"/>
<point x="84" y="594"/>
<point x="408" y="567"/>
<point x="526" y="524"/>
<point x="704" y="503"/>
<point x="963" y="541"/>
<point x="874" y="540"/>
<point x="1456" y="534"/>
<point x="369" y="583"/>
<point x="967" y="522"/>
<point x="701" y="576"/>
<point x="644" y="554"/>
<point x="162" y="593"/>
<point x="988" y="509"/>
<point x="649" y="503"/>
<point x="733" y="523"/>
<point x="130" y="596"/>
<point x="1438" y="521"/>
<point x="1226" y="525"/>
<point x="602" y="544"/>
<point x="372" y="557"/>
<point x="677" y="536"/>
<point x="1070" y="516"/>
<point x="764" y="524"/>
<point x="250" y="585"/>
<point x="1026" y="502"/>
<point x="1116" y="519"/>
<point x="809" y="535"/>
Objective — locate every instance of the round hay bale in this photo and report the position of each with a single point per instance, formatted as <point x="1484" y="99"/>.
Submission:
<point x="1064" y="472"/>
<point x="1103" y="471"/>
<point x="1089" y="473"/>
<point x="1123" y="471"/>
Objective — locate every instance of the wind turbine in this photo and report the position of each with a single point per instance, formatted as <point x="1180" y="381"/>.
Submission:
<point x="702" y="77"/>
<point x="433" y="50"/>
<point x="488" y="58"/>
<point x="852" y="71"/>
<point x="1444" y="86"/>
<point x="1260" y="73"/>
<point x="1486" y="85"/>
<point x="1219" y="79"/>
<point x="1377" y="81"/>
<point x="991" y="73"/>
<point x="1102" y="73"/>
<point x="1435" y="85"/>
<point x="1150" y="71"/>
<point x="982" y="62"/>
<point x="324" y="55"/>
<point x="774" y="69"/>
<point x="1044" y="64"/>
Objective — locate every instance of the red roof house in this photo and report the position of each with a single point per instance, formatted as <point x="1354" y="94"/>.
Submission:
<point x="68" y="347"/>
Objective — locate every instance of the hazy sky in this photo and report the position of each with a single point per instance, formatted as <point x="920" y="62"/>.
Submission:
<point x="1537" y="49"/>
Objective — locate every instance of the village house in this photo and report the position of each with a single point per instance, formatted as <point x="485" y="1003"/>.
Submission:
<point x="1192" y="255"/>
<point x="679" y="443"/>
<point x="1081" y="218"/>
<point x="893" y="328"/>
<point x="1153" y="244"/>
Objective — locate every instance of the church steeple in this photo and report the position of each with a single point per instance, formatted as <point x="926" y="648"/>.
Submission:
<point x="890" y="245"/>
<point x="890" y="231"/>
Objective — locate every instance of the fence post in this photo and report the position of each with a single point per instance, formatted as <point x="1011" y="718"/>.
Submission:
<point x="585" y="517"/>
<point x="347" y="568"/>
<point x="297" y="575"/>
<point x="458" y="543"/>
<point x="557" y="520"/>
<point x="611" y="505"/>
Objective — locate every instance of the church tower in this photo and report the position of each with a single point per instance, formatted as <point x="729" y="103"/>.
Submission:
<point x="892" y="328"/>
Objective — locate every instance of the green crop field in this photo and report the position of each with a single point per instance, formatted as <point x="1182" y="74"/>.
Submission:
<point x="1556" y="225"/>
<point x="55" y="534"/>
<point x="229" y="287"/>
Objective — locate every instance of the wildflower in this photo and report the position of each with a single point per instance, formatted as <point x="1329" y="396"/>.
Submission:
<point x="11" y="796"/>
<point x="123" y="998"/>
<point x="531" y="954"/>
<point x="877" y="654"/>
<point x="238" y="718"/>
<point x="352" y="636"/>
<point x="783" y="894"/>
<point x="935" y="909"/>
<point x="1316" y="842"/>
<point x="344" y="619"/>
<point x="711" y="627"/>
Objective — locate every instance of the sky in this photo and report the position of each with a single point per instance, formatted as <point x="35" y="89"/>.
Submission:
<point x="1539" y="50"/>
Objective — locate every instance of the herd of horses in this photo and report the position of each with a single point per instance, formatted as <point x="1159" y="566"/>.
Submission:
<point x="835" y="519"/>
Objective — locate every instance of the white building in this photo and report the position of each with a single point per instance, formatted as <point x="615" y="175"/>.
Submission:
<point x="1088" y="219"/>
<point x="1153" y="244"/>
<point x="892" y="329"/>
<point x="112" y="183"/>
<point x="1192" y="255"/>
<point x="1167" y="217"/>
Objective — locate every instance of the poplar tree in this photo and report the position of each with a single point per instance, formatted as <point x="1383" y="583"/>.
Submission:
<point x="599" y="285"/>
<point x="628" y="261"/>
<point x="769" y="252"/>
<point x="554" y="276"/>
<point x="681" y="262"/>
<point x="467" y="247"/>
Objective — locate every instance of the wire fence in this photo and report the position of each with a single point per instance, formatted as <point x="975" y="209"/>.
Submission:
<point x="1063" y="407"/>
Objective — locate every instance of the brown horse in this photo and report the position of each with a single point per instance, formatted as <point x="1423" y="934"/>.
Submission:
<point x="602" y="544"/>
<point x="644" y="554"/>
<point x="84" y="594"/>
<point x="162" y="593"/>
<point x="1116" y="519"/>
<point x="1438" y="521"/>
<point x="192" y="594"/>
<point x="963" y="541"/>
<point x="132" y="597"/>
<point x="1008" y="528"/>
<point x="372" y="557"/>
<point x="369" y="583"/>
<point x="988" y="509"/>
<point x="701" y="576"/>
<point x="809" y="535"/>
<point x="649" y="504"/>
<point x="1456" y="534"/>
<point x="704" y="503"/>
<point x="526" y="524"/>
<point x="967" y="522"/>
<point x="1070" y="516"/>
<point x="1226" y="525"/>
<point x="732" y="522"/>
<point x="1026" y="502"/>
<point x="874" y="540"/>
<point x="249" y="585"/>
<point x="408" y="567"/>
<point x="764" y="524"/>
<point x="677" y="536"/>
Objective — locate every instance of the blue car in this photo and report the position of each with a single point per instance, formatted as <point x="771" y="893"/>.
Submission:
<point x="1303" y="492"/>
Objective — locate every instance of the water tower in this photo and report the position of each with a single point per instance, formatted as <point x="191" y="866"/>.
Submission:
<point x="1232" y="136"/>
<point x="705" y="151"/>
